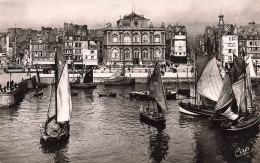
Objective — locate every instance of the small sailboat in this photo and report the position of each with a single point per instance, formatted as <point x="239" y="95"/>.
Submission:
<point x="87" y="83"/>
<point x="155" y="114"/>
<point x="119" y="78"/>
<point x="39" y="90"/>
<point x="207" y="88"/>
<point x="56" y="129"/>
<point x="236" y="110"/>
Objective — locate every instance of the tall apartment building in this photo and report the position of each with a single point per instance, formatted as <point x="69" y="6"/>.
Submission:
<point x="134" y="41"/>
<point x="178" y="43"/>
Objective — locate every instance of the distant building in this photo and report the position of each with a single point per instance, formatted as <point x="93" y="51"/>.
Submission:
<point x="178" y="43"/>
<point x="134" y="41"/>
<point x="90" y="57"/>
<point x="229" y="48"/>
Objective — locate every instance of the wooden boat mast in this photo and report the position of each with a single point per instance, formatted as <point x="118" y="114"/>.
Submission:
<point x="195" y="71"/>
<point x="56" y="79"/>
<point x="244" y="64"/>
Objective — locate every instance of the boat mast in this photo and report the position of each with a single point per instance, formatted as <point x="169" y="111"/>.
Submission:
<point x="244" y="64"/>
<point x="195" y="71"/>
<point x="56" y="79"/>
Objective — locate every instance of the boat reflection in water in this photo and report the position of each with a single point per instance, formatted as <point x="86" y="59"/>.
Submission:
<point x="58" y="152"/>
<point x="212" y="145"/>
<point x="158" y="141"/>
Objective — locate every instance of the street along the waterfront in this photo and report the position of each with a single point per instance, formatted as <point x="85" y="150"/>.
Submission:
<point x="108" y="129"/>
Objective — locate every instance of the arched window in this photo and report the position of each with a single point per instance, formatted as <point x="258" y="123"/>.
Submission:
<point x="115" y="54"/>
<point x="157" y="38"/>
<point x="127" y="54"/>
<point x="157" y="53"/>
<point x="145" y="54"/>
<point x="114" y="38"/>
<point x="136" y="38"/>
<point x="127" y="38"/>
<point x="145" y="38"/>
<point x="136" y="53"/>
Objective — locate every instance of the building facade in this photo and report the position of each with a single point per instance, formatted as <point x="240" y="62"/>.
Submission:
<point x="229" y="48"/>
<point x="133" y="42"/>
<point x="178" y="43"/>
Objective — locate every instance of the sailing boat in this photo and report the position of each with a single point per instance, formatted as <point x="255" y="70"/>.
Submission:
<point x="207" y="88"/>
<point x="39" y="90"/>
<point x="155" y="114"/>
<point x="119" y="77"/>
<point x="236" y="103"/>
<point x="56" y="128"/>
<point x="88" y="81"/>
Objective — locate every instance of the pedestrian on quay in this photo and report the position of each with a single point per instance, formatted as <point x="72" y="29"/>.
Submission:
<point x="7" y="85"/>
<point x="4" y="89"/>
<point x="0" y="86"/>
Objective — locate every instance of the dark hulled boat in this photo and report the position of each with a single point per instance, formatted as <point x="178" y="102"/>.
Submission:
<point x="56" y="129"/>
<point x="155" y="114"/>
<point x="144" y="95"/>
<point x="236" y="103"/>
<point x="207" y="88"/>
<point x="87" y="83"/>
<point x="112" y="94"/>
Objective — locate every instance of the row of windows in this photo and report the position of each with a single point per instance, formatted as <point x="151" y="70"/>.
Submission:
<point x="127" y="53"/>
<point x="41" y="54"/>
<point x="136" y="38"/>
<point x="40" y="47"/>
<point x="252" y="43"/>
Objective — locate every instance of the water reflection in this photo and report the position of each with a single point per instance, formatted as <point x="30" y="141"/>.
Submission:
<point x="58" y="152"/>
<point x="158" y="141"/>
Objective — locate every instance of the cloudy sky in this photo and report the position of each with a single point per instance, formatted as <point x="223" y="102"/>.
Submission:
<point x="95" y="13"/>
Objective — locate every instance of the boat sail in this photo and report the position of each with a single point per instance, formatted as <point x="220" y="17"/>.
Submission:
<point x="155" y="114"/>
<point x="208" y="85"/>
<point x="87" y="82"/>
<point x="56" y="128"/>
<point x="39" y="90"/>
<point x="237" y="104"/>
<point x="119" y="77"/>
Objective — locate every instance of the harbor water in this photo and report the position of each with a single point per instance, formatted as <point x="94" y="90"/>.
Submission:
<point x="108" y="129"/>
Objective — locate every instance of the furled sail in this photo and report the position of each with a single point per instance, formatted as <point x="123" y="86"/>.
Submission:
<point x="156" y="87"/>
<point x="210" y="82"/>
<point x="64" y="105"/>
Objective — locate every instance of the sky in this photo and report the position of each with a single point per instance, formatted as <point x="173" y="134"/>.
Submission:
<point x="96" y="13"/>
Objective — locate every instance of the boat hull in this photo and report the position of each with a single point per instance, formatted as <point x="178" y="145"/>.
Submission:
<point x="184" y="91"/>
<point x="107" y="94"/>
<point x="145" y="95"/>
<point x="246" y="124"/>
<point x="84" y="85"/>
<point x="120" y="82"/>
<point x="196" y="110"/>
<point x="60" y="136"/>
<point x="148" y="118"/>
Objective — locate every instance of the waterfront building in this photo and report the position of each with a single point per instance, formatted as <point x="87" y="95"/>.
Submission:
<point x="134" y="41"/>
<point x="90" y="56"/>
<point x="178" y="43"/>
<point x="229" y="48"/>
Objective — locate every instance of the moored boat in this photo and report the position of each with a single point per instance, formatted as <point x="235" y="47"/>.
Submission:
<point x="56" y="129"/>
<point x="236" y="102"/>
<point x="111" y="94"/>
<point x="207" y="88"/>
<point x="144" y="95"/>
<point x="87" y="83"/>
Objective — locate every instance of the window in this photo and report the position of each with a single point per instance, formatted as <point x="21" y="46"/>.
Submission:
<point x="92" y="57"/>
<point x="136" y="53"/>
<point x="179" y="47"/>
<point x="114" y="38"/>
<point x="145" y="38"/>
<point x="145" y="54"/>
<point x="230" y="58"/>
<point x="77" y="51"/>
<point x="136" y="38"/>
<point x="157" y="53"/>
<point x="40" y="47"/>
<point x="127" y="38"/>
<point x="115" y="54"/>
<point x="70" y="38"/>
<point x="157" y="38"/>
<point x="78" y="45"/>
<point x="127" y="54"/>
<point x="35" y="47"/>
<point x="92" y="51"/>
<point x="36" y="54"/>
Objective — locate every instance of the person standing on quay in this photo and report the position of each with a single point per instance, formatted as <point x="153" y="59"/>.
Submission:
<point x="7" y="85"/>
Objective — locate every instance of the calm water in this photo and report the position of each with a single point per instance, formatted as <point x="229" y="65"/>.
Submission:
<point x="109" y="130"/>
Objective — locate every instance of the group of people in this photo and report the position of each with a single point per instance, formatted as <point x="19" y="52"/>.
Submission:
<point x="10" y="85"/>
